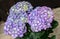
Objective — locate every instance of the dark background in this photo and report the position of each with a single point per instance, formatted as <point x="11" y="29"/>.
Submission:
<point x="6" y="4"/>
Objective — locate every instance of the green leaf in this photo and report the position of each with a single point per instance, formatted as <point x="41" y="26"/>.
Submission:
<point x="54" y="24"/>
<point x="53" y="37"/>
<point x="36" y="35"/>
<point x="26" y="35"/>
<point x="17" y="38"/>
<point x="46" y="34"/>
<point x="28" y="27"/>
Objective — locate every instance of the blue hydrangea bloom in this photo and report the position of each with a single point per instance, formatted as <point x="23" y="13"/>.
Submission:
<point x="21" y="7"/>
<point x="20" y="16"/>
<point x="40" y="18"/>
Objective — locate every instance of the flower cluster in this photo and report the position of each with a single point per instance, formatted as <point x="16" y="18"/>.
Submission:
<point x="21" y="7"/>
<point x="38" y="19"/>
<point x="15" y="29"/>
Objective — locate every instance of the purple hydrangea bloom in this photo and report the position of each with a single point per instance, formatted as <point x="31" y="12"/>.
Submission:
<point x="14" y="26"/>
<point x="15" y="29"/>
<point x="40" y="18"/>
<point x="22" y="6"/>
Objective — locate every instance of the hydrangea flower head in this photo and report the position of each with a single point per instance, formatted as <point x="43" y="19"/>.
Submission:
<point x="15" y="28"/>
<point x="40" y="18"/>
<point x="15" y="25"/>
<point x="21" y="7"/>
